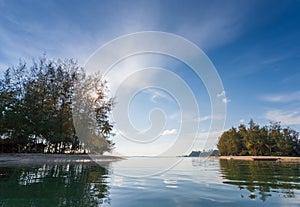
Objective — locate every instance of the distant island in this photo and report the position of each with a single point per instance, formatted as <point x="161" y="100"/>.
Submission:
<point x="203" y="153"/>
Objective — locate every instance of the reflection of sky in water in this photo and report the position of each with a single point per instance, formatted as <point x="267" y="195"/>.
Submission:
<point x="192" y="182"/>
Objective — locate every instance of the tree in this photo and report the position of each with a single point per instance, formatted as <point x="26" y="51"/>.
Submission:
<point x="12" y="120"/>
<point x="230" y="143"/>
<point x="91" y="110"/>
<point x="37" y="107"/>
<point x="256" y="140"/>
<point x="223" y="144"/>
<point x="243" y="134"/>
<point x="276" y="136"/>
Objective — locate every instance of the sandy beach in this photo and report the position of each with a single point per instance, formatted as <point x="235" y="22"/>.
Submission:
<point x="36" y="158"/>
<point x="265" y="158"/>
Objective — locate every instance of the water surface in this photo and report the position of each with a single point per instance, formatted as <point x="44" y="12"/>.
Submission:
<point x="139" y="182"/>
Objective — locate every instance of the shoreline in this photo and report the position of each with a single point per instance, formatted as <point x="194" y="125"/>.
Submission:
<point x="44" y="158"/>
<point x="41" y="158"/>
<point x="258" y="158"/>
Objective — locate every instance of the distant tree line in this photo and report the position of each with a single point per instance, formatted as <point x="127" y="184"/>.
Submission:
<point x="203" y="153"/>
<point x="256" y="140"/>
<point x="42" y="106"/>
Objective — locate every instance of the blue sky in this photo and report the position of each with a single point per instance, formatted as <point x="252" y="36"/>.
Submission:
<point x="254" y="45"/>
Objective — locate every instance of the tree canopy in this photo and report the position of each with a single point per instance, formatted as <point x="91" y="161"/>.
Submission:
<point x="256" y="140"/>
<point x="54" y="106"/>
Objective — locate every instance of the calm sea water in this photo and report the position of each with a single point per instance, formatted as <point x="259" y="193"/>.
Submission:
<point x="150" y="182"/>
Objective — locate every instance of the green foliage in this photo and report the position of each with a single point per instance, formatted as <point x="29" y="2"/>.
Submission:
<point x="37" y="104"/>
<point x="256" y="140"/>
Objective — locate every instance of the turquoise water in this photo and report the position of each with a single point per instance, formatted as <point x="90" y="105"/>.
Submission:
<point x="139" y="182"/>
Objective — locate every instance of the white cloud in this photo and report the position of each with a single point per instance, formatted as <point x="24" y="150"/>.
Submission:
<point x="169" y="132"/>
<point x="204" y="118"/>
<point x="156" y="94"/>
<point x="285" y="117"/>
<point x="284" y="97"/>
<point x="226" y="100"/>
<point x="210" y="117"/>
<point x="221" y="94"/>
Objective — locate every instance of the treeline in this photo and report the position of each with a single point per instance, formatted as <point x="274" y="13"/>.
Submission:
<point x="53" y="106"/>
<point x="203" y="153"/>
<point x="256" y="140"/>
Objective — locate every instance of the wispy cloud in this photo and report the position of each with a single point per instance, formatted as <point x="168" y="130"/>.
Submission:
<point x="209" y="117"/>
<point x="204" y="118"/>
<point x="157" y="94"/>
<point x="285" y="117"/>
<point x="35" y="36"/>
<point x="27" y="39"/>
<point x="275" y="59"/>
<point x="129" y="74"/>
<point x="169" y="132"/>
<point x="217" y="25"/>
<point x="25" y="35"/>
<point x="284" y="97"/>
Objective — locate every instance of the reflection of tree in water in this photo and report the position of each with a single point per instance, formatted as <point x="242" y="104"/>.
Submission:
<point x="262" y="178"/>
<point x="54" y="185"/>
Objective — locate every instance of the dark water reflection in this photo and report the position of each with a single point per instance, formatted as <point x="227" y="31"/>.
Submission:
<point x="262" y="179"/>
<point x="193" y="182"/>
<point x="54" y="185"/>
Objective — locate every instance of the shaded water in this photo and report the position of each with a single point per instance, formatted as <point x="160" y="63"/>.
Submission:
<point x="192" y="182"/>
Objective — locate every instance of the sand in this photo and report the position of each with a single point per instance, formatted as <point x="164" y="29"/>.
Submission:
<point x="251" y="158"/>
